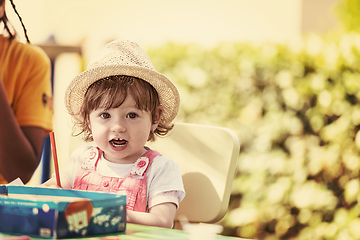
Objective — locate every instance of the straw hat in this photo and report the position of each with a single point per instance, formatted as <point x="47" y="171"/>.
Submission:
<point x="123" y="58"/>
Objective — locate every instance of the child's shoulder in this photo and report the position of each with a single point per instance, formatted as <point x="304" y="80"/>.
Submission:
<point x="161" y="161"/>
<point x="163" y="167"/>
<point x="82" y="150"/>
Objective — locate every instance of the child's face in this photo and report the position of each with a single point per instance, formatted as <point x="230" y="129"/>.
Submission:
<point x="121" y="132"/>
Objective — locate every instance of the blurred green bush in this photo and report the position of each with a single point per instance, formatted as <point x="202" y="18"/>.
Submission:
<point x="348" y="12"/>
<point x="296" y="111"/>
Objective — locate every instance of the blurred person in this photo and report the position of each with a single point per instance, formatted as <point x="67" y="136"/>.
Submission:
<point x="25" y="102"/>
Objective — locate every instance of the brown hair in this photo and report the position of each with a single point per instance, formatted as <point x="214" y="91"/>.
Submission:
<point x="111" y="92"/>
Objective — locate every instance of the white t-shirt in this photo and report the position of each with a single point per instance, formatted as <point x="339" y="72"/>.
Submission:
<point x="164" y="181"/>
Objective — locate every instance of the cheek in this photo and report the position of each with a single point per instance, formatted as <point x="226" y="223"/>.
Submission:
<point x="96" y="129"/>
<point x="142" y="130"/>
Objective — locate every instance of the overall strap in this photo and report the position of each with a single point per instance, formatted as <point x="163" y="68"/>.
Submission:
<point x="141" y="165"/>
<point x="91" y="158"/>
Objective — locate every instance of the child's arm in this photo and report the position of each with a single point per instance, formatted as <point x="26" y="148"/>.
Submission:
<point x="50" y="183"/>
<point x="161" y="215"/>
<point x="68" y="170"/>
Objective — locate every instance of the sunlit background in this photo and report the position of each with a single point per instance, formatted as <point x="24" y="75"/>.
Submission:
<point x="91" y="24"/>
<point x="283" y="74"/>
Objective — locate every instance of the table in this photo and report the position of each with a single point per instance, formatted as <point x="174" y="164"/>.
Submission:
<point x="140" y="232"/>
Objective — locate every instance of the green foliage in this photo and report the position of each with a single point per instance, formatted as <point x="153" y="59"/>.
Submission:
<point x="348" y="12"/>
<point x="297" y="114"/>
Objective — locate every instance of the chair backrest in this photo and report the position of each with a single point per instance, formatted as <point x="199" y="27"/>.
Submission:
<point x="207" y="157"/>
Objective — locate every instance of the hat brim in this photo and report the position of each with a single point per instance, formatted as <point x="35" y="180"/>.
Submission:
<point x="168" y="93"/>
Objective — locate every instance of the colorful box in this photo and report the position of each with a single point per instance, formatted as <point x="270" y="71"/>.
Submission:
<point x="60" y="213"/>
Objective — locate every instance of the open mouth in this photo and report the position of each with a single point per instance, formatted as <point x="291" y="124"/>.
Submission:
<point x="118" y="142"/>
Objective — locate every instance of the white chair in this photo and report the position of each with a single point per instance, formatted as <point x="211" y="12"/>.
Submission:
<point x="207" y="157"/>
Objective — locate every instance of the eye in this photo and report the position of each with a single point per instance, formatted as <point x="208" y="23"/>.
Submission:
<point x="132" y="115"/>
<point x="105" y="115"/>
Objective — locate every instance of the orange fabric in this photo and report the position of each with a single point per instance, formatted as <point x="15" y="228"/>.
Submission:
<point x="25" y="73"/>
<point x="2" y="180"/>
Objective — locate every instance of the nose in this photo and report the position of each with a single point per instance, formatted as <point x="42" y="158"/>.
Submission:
<point x="118" y="127"/>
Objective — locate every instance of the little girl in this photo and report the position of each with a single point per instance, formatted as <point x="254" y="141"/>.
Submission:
<point x="120" y="102"/>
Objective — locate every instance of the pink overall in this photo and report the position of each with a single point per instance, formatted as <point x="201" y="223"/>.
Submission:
<point x="134" y="184"/>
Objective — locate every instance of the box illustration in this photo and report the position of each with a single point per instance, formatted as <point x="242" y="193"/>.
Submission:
<point x="60" y="213"/>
